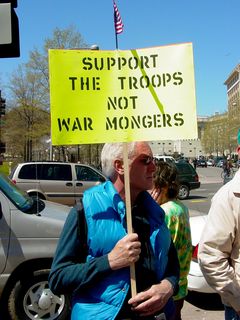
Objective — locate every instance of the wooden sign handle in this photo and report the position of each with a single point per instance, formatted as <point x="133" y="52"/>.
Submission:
<point x="128" y="212"/>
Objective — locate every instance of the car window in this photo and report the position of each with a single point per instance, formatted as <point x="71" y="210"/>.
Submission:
<point x="15" y="195"/>
<point x="184" y="169"/>
<point x="87" y="174"/>
<point x="12" y="172"/>
<point x="29" y="171"/>
<point x="54" y="171"/>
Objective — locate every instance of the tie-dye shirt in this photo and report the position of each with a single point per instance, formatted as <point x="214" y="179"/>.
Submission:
<point x="177" y="220"/>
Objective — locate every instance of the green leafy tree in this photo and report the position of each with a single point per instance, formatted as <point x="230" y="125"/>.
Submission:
<point x="233" y="126"/>
<point x="29" y="125"/>
<point x="218" y="138"/>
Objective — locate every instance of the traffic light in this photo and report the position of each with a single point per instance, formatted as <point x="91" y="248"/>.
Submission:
<point x="2" y="107"/>
<point x="9" y="30"/>
<point x="2" y="147"/>
<point x="13" y="2"/>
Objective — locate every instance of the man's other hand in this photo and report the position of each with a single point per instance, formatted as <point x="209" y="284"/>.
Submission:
<point x="153" y="300"/>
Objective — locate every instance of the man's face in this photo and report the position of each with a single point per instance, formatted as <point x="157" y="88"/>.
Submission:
<point x="142" y="168"/>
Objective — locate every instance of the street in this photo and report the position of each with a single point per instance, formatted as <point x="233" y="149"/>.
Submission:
<point x="203" y="306"/>
<point x="211" y="181"/>
<point x="191" y="312"/>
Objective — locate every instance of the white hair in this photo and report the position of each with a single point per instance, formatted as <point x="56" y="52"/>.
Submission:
<point x="110" y="153"/>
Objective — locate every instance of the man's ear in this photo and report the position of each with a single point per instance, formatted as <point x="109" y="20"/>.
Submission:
<point x="238" y="150"/>
<point x="118" y="165"/>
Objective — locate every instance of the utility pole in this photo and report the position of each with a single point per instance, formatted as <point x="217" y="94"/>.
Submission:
<point x="2" y="113"/>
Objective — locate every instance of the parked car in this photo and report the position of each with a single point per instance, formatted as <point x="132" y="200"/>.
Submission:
<point x="202" y="163"/>
<point x="218" y="160"/>
<point x="188" y="178"/>
<point x="196" y="280"/>
<point x="220" y="163"/>
<point x="168" y="159"/>
<point x="29" y="232"/>
<point x="62" y="182"/>
<point x="237" y="164"/>
<point x="210" y="163"/>
<point x="183" y="159"/>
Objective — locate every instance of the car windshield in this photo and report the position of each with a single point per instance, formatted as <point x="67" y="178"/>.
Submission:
<point x="18" y="197"/>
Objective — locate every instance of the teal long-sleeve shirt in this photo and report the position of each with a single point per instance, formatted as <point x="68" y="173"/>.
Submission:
<point x="69" y="274"/>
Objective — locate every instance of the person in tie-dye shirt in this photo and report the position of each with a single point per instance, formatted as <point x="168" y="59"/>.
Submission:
<point x="165" y="192"/>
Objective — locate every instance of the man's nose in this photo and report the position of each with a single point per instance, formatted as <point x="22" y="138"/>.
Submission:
<point x="152" y="166"/>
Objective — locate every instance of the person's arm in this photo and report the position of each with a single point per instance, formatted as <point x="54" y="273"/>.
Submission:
<point x="177" y="220"/>
<point x="219" y="242"/>
<point x="67" y="273"/>
<point x="173" y="269"/>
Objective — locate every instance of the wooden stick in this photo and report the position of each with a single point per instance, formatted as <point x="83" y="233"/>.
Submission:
<point x="128" y="212"/>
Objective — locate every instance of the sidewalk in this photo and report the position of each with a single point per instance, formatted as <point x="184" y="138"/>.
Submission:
<point x="203" y="179"/>
<point x="191" y="312"/>
<point x="199" y="306"/>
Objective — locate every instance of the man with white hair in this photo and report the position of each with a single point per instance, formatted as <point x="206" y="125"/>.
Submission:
<point x="100" y="285"/>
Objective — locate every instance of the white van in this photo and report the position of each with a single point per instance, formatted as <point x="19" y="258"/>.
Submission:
<point x="62" y="182"/>
<point x="164" y="158"/>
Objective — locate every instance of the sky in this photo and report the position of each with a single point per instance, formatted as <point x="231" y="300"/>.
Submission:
<point x="212" y="26"/>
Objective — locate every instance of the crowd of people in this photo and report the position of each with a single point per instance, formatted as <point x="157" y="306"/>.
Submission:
<point x="158" y="249"/>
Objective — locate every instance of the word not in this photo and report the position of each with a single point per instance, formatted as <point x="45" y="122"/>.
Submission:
<point x="119" y="63"/>
<point x="122" y="102"/>
<point x="146" y="121"/>
<point x="75" y="124"/>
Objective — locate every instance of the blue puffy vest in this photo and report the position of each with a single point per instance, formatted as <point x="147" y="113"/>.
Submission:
<point x="105" y="216"/>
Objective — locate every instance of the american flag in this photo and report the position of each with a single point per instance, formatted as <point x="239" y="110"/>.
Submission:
<point x="117" y="19"/>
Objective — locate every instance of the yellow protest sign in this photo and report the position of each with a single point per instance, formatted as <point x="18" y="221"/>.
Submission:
<point x="121" y="96"/>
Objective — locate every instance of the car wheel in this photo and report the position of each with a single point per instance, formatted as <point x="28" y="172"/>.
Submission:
<point x="183" y="192"/>
<point x="31" y="299"/>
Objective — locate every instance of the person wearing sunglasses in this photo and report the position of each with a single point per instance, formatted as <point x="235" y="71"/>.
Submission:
<point x="100" y="284"/>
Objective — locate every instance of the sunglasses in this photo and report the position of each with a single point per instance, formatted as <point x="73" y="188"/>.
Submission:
<point x="147" y="160"/>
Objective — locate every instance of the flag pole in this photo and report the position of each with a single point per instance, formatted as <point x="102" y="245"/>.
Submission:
<point x="118" y="24"/>
<point x="116" y="37"/>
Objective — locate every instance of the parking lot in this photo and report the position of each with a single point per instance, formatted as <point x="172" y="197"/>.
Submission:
<point x="197" y="308"/>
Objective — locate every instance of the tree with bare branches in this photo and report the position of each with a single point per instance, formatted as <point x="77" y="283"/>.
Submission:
<point x="28" y="121"/>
